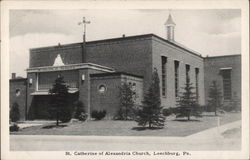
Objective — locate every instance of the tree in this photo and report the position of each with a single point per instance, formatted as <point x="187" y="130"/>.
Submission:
<point x="127" y="101"/>
<point x="59" y="104"/>
<point x="214" y="97"/>
<point x="151" y="111"/>
<point x="187" y="103"/>
<point x="14" y="112"/>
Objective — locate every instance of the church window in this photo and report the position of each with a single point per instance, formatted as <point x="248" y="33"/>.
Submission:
<point x="163" y="74"/>
<point x="227" y="88"/>
<point x="197" y="82"/>
<point x="187" y="73"/>
<point x="102" y="88"/>
<point x="134" y="87"/>
<point x="176" y="73"/>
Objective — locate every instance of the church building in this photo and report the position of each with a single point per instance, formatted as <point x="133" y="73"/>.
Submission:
<point x="95" y="70"/>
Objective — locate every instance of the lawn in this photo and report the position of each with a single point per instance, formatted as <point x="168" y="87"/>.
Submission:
<point x="173" y="127"/>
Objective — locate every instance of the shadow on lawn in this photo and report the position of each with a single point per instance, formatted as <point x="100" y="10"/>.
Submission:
<point x="145" y="128"/>
<point x="185" y="120"/>
<point x="54" y="126"/>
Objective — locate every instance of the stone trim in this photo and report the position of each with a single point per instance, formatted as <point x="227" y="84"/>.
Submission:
<point x="70" y="67"/>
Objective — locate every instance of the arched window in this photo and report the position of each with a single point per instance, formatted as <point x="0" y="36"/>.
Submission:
<point x="102" y="88"/>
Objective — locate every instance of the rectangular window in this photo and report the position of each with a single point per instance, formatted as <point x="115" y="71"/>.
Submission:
<point x="176" y="73"/>
<point x="187" y="72"/>
<point x="163" y="74"/>
<point x="227" y="88"/>
<point x="47" y="79"/>
<point x="197" y="83"/>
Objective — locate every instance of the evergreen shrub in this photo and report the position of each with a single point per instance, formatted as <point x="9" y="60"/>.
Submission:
<point x="98" y="115"/>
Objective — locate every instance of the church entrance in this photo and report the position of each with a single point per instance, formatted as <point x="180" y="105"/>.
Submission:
<point x="41" y="106"/>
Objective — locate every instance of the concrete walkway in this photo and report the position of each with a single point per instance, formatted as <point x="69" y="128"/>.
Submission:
<point x="215" y="132"/>
<point x="26" y="124"/>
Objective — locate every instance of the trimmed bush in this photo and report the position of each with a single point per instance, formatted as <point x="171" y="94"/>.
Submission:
<point x="98" y="115"/>
<point x="83" y="116"/>
<point x="80" y="111"/>
<point x="65" y="115"/>
<point x="168" y="111"/>
<point x="14" y="128"/>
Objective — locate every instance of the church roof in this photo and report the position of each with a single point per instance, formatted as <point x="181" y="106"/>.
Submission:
<point x="72" y="45"/>
<point x="170" y="21"/>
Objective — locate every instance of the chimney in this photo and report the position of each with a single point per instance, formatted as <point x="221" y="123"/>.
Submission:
<point x="13" y="75"/>
<point x="123" y="36"/>
<point x="170" y="28"/>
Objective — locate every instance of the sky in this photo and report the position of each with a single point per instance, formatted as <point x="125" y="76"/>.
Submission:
<point x="209" y="32"/>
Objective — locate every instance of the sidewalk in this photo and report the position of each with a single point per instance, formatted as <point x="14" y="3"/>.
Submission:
<point x="215" y="132"/>
<point x="26" y="124"/>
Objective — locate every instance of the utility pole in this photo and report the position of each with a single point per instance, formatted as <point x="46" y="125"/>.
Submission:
<point x="84" y="23"/>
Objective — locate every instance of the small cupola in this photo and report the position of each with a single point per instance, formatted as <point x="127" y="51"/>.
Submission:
<point x="170" y="28"/>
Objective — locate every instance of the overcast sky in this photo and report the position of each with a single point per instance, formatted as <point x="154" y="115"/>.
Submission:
<point x="209" y="32"/>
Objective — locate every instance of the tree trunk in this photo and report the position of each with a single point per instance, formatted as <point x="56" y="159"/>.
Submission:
<point x="126" y="112"/>
<point x="149" y="124"/>
<point x="57" y="121"/>
<point x="188" y="117"/>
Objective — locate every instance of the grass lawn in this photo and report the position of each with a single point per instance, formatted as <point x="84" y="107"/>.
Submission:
<point x="172" y="127"/>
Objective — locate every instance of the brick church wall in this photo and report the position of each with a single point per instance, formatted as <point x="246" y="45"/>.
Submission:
<point x="19" y="98"/>
<point x="129" y="54"/>
<point x="161" y="48"/>
<point x="45" y="56"/>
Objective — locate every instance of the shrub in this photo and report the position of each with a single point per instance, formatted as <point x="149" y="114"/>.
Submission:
<point x="65" y="115"/>
<point x="14" y="112"/>
<point x="168" y="111"/>
<point x="207" y="108"/>
<point x="83" y="116"/>
<point x="79" y="109"/>
<point x="14" y="128"/>
<point x="98" y="115"/>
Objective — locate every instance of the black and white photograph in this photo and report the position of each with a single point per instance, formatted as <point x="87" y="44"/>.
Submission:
<point x="156" y="81"/>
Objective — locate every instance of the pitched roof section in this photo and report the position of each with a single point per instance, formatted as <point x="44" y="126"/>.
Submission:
<point x="170" y="21"/>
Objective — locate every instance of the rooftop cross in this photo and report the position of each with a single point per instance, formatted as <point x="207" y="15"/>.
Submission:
<point x="84" y="22"/>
